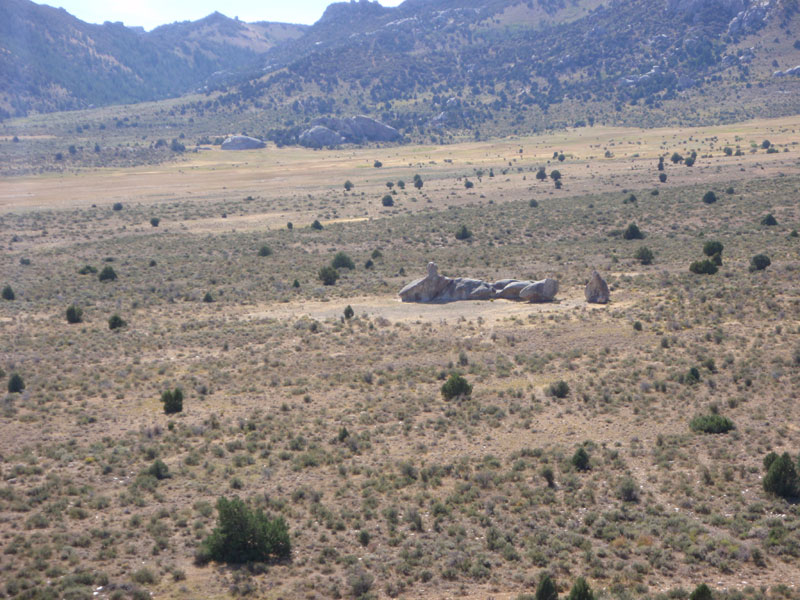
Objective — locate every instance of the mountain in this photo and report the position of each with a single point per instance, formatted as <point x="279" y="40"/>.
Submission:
<point x="50" y="60"/>
<point x="431" y="65"/>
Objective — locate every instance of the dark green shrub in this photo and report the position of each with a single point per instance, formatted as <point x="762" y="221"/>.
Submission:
<point x="644" y="255"/>
<point x="208" y="298"/>
<point x="662" y="177"/>
<point x="377" y="164"/>
<point x="369" y="264"/>
<point x="630" y="199"/>
<point x="348" y="312"/>
<point x="244" y="535"/>
<point x="712" y="423"/>
<point x="559" y="389"/>
<point x="360" y="582"/>
<point x="376" y="254"/>
<point x="418" y="183"/>
<point x="769" y="221"/>
<point x="548" y="475"/>
<point x="581" y="590"/>
<point x="781" y="478"/>
<point x="759" y="262"/>
<point x="633" y="233"/>
<point x="117" y="206"/>
<point x="154" y="221"/>
<point x="709" y="197"/>
<point x="628" y="490"/>
<point x="730" y="191"/>
<point x="115" y="322"/>
<point x="769" y="459"/>
<point x="328" y="275"/>
<point x="701" y="592"/>
<point x="463" y="233"/>
<point x="107" y="274"/>
<point x="15" y="383"/>
<point x="159" y="470"/>
<point x="316" y="225"/>
<point x="342" y="261"/>
<point x="74" y="314"/>
<point x="468" y="184"/>
<point x="692" y="376"/>
<point x="533" y="203"/>
<point x="348" y="185"/>
<point x="8" y="293"/>
<point x="264" y="250"/>
<point x="363" y="537"/>
<point x="456" y="386"/>
<point x="546" y="589"/>
<point x="713" y="247"/>
<point x="580" y="460"/>
<point x="172" y="401"/>
<point x="703" y="267"/>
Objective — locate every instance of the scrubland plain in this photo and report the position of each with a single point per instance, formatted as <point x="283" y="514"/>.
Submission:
<point x="338" y="425"/>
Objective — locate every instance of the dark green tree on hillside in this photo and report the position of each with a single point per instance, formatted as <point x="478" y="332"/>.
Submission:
<point x="245" y="535"/>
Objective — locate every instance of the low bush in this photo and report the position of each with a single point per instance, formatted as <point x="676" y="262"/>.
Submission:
<point x="107" y="274"/>
<point x="387" y="200"/>
<point x="74" y="314"/>
<point x="546" y="589"/>
<point x="710" y="197"/>
<point x="115" y="322"/>
<point x="172" y="401"/>
<point x="581" y="590"/>
<point x="703" y="267"/>
<point x="328" y="275"/>
<point x="628" y="490"/>
<point x="463" y="233"/>
<point x="559" y="389"/>
<point x="580" y="460"/>
<point x="15" y="383"/>
<point x="264" y="250"/>
<point x="342" y="261"/>
<point x="633" y="232"/>
<point x="8" y="293"/>
<point x="781" y="478"/>
<point x="759" y="262"/>
<point x="456" y="386"/>
<point x="712" y="423"/>
<point x="769" y="221"/>
<point x="644" y="255"/>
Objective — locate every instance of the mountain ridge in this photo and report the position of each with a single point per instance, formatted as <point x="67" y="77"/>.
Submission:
<point x="51" y="60"/>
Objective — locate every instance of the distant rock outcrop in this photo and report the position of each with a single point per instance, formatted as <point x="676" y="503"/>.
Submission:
<point x="438" y="288"/>
<point x="242" y="142"/>
<point x="319" y="136"/>
<point x="597" y="290"/>
<point x="332" y="131"/>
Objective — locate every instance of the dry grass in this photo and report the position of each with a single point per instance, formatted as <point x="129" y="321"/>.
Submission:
<point x="450" y="493"/>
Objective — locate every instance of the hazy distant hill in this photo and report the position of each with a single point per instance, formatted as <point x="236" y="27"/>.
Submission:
<point x="430" y="68"/>
<point x="449" y="64"/>
<point x="50" y="60"/>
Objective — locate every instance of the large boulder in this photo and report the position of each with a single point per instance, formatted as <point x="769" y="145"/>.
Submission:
<point x="320" y="136"/>
<point x="437" y="288"/>
<point x="242" y="142"/>
<point x="425" y="289"/>
<point x="359" y="129"/>
<point x="540" y="291"/>
<point x="597" y="290"/>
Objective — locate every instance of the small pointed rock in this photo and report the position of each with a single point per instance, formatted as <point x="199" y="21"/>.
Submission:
<point x="597" y="290"/>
